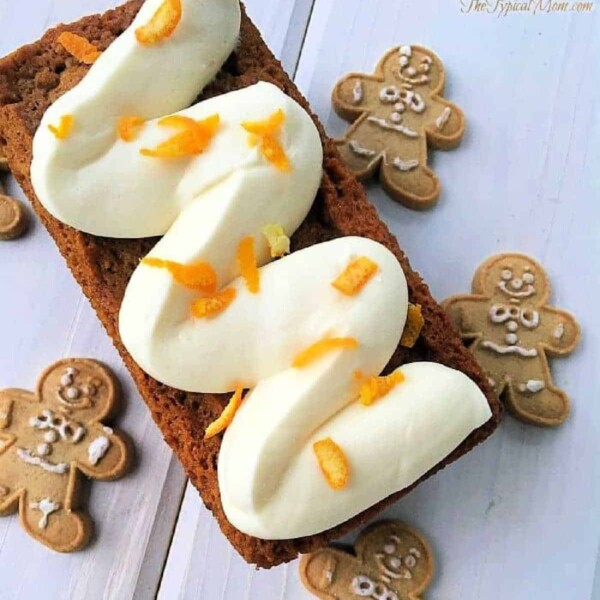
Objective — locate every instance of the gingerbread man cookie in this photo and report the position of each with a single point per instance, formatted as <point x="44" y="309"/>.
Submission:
<point x="512" y="329"/>
<point x="392" y="562"/>
<point x="47" y="438"/>
<point x="396" y="113"/>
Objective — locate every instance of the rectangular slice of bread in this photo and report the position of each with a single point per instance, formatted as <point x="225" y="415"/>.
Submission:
<point x="31" y="79"/>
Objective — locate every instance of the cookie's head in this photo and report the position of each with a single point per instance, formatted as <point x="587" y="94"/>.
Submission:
<point x="512" y="278"/>
<point x="413" y="67"/>
<point x="392" y="562"/>
<point x="78" y="387"/>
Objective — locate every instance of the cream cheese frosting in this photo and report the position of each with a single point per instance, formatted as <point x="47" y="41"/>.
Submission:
<point x="204" y="205"/>
<point x="99" y="184"/>
<point x="270" y="482"/>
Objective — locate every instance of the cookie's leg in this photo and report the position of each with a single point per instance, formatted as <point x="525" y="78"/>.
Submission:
<point x="46" y="519"/>
<point x="405" y="176"/>
<point x="360" y="150"/>
<point x="538" y="402"/>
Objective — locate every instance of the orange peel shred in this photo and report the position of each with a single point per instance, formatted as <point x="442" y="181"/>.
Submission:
<point x="374" y="388"/>
<point x="226" y="417"/>
<point x="79" y="47"/>
<point x="247" y="262"/>
<point x="264" y="134"/>
<point x="162" y="24"/>
<point x="355" y="276"/>
<point x="192" y="140"/>
<point x="65" y="127"/>
<point x="199" y="276"/>
<point x="128" y="128"/>
<point x="414" y="325"/>
<point x="333" y="463"/>
<point x="211" y="306"/>
<point x="322" y="347"/>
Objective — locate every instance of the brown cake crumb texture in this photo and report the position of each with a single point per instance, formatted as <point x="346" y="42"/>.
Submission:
<point x="31" y="79"/>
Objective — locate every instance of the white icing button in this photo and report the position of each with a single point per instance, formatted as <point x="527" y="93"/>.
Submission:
<point x="511" y="338"/>
<point x="512" y="326"/>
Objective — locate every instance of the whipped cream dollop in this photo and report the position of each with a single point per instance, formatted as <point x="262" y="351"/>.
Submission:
<point x="100" y="184"/>
<point x="205" y="204"/>
<point x="270" y="482"/>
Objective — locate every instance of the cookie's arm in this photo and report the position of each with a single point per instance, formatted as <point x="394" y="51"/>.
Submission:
<point x="14" y="403"/>
<point x="354" y="93"/>
<point x="103" y="453"/>
<point x="562" y="332"/>
<point x="468" y="313"/>
<point x="445" y="125"/>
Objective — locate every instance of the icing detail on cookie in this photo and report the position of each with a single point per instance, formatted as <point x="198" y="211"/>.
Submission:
<point x="357" y="92"/>
<point x="43" y="449"/>
<point x="443" y="118"/>
<point x="389" y="94"/>
<point x="361" y="150"/>
<point x="97" y="449"/>
<point x="500" y="349"/>
<point x="559" y="331"/>
<point x="46" y="506"/>
<point x="405" y="165"/>
<point x="532" y="385"/>
<point x="384" y="124"/>
<point x="66" y="429"/>
<point x="28" y="457"/>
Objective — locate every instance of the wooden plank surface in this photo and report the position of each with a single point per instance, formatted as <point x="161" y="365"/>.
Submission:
<point x="518" y="518"/>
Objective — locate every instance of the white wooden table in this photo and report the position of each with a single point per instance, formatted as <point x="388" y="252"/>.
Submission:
<point x="518" y="518"/>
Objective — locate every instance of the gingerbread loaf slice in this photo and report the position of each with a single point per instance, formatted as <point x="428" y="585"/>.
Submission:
<point x="31" y="79"/>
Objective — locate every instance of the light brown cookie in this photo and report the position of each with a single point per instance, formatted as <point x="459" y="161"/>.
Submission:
<point x="392" y="562"/>
<point x="511" y="329"/>
<point x="396" y="113"/>
<point x="47" y="438"/>
<point x="13" y="218"/>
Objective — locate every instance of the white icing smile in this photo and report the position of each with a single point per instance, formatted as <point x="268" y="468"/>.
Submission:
<point x="517" y="291"/>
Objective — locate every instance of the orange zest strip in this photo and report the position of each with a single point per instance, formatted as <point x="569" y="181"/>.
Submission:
<point x="193" y="139"/>
<point x="207" y="308"/>
<point x="322" y="347"/>
<point x="226" y="416"/>
<point x="374" y="388"/>
<point x="264" y="134"/>
<point x="79" y="47"/>
<point x="333" y="463"/>
<point x="247" y="262"/>
<point x="199" y="276"/>
<point x="65" y="127"/>
<point x="355" y="276"/>
<point x="128" y="128"/>
<point x="162" y="24"/>
<point x="413" y="327"/>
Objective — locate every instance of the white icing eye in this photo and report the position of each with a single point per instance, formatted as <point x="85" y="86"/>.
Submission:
<point x="395" y="562"/>
<point x="528" y="278"/>
<point x="424" y="67"/>
<point x="389" y="94"/>
<point x="506" y="274"/>
<point x="403" y="61"/>
<point x="363" y="586"/>
<point x="410" y="561"/>
<point x="72" y="393"/>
